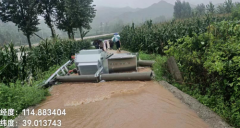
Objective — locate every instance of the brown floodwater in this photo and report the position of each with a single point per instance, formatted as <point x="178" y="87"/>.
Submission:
<point x="117" y="104"/>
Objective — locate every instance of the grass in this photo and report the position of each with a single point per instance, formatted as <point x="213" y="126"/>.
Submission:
<point x="19" y="97"/>
<point x="159" y="66"/>
<point x="144" y="56"/>
<point x="73" y="66"/>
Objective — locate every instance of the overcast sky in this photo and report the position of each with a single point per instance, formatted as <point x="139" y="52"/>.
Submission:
<point x="146" y="3"/>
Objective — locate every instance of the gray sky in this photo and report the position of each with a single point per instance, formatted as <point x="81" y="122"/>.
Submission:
<point x="146" y="3"/>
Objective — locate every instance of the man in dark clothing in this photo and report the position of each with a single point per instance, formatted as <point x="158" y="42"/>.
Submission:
<point x="118" y="44"/>
<point x="116" y="39"/>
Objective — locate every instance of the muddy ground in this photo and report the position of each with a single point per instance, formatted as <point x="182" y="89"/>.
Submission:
<point x="189" y="111"/>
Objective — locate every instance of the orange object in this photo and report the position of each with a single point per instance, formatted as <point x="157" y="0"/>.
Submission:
<point x="70" y="71"/>
<point x="73" y="57"/>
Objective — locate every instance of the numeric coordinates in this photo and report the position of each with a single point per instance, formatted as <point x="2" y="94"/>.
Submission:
<point x="44" y="112"/>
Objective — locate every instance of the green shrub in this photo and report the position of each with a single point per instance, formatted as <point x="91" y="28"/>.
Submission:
<point x="39" y="59"/>
<point x="19" y="97"/>
<point x="160" y="68"/>
<point x="152" y="38"/>
<point x="207" y="51"/>
<point x="211" y="62"/>
<point x="21" y="80"/>
<point x="144" y="56"/>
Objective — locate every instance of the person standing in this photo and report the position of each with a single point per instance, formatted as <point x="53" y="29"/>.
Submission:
<point x="107" y="45"/>
<point x="116" y="39"/>
<point x="102" y="45"/>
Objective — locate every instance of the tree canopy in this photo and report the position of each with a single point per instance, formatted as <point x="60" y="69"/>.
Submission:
<point x="67" y="15"/>
<point x="182" y="9"/>
<point x="48" y="10"/>
<point x="201" y="9"/>
<point x="23" y="13"/>
<point x="210" y="8"/>
<point x="74" y="14"/>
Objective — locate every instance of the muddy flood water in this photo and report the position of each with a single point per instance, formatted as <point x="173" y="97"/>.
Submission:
<point x="118" y="104"/>
<point x="132" y="104"/>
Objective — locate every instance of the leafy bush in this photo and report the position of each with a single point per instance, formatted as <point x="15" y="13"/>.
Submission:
<point x="144" y="56"/>
<point x="207" y="51"/>
<point x="37" y="60"/>
<point x="33" y="66"/>
<point x="152" y="38"/>
<point x="160" y="68"/>
<point x="19" y="97"/>
<point x="211" y="61"/>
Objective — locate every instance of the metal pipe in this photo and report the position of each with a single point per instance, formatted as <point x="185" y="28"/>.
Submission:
<point x="146" y="63"/>
<point x="122" y="69"/>
<point x="127" y="77"/>
<point x="82" y="78"/>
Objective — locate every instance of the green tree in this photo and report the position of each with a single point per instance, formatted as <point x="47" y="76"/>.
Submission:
<point x="75" y="14"/>
<point x="200" y="9"/>
<point x="178" y="9"/>
<point x="48" y="9"/>
<point x="23" y="13"/>
<point x="210" y="8"/>
<point x="63" y="17"/>
<point x="228" y="6"/>
<point x="83" y="14"/>
<point x="182" y="9"/>
<point x="236" y="11"/>
<point x="221" y="9"/>
<point x="186" y="10"/>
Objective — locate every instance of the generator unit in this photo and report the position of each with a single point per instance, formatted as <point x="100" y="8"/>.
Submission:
<point x="97" y="65"/>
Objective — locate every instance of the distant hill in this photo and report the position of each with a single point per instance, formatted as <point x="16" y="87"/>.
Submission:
<point x="105" y="14"/>
<point x="112" y="16"/>
<point x="161" y="8"/>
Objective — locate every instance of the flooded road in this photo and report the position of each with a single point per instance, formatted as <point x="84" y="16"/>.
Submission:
<point x="118" y="105"/>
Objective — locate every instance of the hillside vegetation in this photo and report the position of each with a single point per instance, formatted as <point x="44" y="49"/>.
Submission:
<point x="207" y="52"/>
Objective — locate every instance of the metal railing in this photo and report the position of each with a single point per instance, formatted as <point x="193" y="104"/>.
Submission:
<point x="61" y="69"/>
